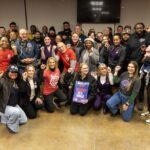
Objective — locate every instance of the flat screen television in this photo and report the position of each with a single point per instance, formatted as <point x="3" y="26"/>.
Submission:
<point x="98" y="11"/>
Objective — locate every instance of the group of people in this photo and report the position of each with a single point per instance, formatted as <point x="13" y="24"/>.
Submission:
<point x="46" y="70"/>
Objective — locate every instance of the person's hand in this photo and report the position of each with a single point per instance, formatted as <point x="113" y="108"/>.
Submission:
<point x="42" y="48"/>
<point x="124" y="107"/>
<point x="43" y="66"/>
<point x="24" y="76"/>
<point x="109" y="69"/>
<point x="70" y="70"/>
<point x="30" y="60"/>
<point x="107" y="45"/>
<point x="1" y="73"/>
<point x="27" y="60"/>
<point x="54" y="47"/>
<point x="68" y="46"/>
<point x="143" y="48"/>
<point x="117" y="68"/>
<point x="38" y="101"/>
<point x="14" y="48"/>
<point x="84" y="101"/>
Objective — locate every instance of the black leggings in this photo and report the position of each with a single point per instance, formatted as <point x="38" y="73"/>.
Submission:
<point x="48" y="100"/>
<point x="30" y="108"/>
<point x="141" y="93"/>
<point x="82" y="109"/>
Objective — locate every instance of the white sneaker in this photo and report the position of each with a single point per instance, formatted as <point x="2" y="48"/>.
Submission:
<point x="147" y="121"/>
<point x="144" y="114"/>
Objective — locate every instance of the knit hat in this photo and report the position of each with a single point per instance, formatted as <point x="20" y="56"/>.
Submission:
<point x="89" y="39"/>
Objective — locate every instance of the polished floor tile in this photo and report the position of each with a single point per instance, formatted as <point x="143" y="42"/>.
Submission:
<point x="62" y="131"/>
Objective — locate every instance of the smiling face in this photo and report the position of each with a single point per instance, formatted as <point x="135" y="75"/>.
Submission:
<point x="13" y="75"/>
<point x="30" y="71"/>
<point x="88" y="44"/>
<point x="51" y="63"/>
<point x="102" y="70"/>
<point x="139" y="29"/>
<point x="116" y="40"/>
<point x="13" y="35"/>
<point x="47" y="40"/>
<point x="75" y="38"/>
<point x="131" y="69"/>
<point x="23" y="34"/>
<point x="84" y="69"/>
<point x="4" y="43"/>
<point x="61" y="47"/>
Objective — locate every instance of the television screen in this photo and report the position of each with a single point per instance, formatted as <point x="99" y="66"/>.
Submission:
<point x="98" y="11"/>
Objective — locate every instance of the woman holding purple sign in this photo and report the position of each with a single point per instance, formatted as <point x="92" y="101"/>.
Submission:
<point x="84" y="91"/>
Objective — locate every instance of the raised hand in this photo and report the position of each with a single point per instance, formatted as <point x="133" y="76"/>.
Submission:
<point x="43" y="66"/>
<point x="1" y="73"/>
<point x="24" y="76"/>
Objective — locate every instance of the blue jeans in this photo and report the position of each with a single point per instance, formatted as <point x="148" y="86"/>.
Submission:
<point x="115" y="100"/>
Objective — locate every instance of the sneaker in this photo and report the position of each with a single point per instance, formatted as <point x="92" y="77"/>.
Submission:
<point x="144" y="114"/>
<point x="57" y="105"/>
<point x="140" y="107"/>
<point x="10" y="130"/>
<point x="147" y="121"/>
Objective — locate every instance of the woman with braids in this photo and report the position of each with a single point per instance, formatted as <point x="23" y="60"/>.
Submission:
<point x="129" y="88"/>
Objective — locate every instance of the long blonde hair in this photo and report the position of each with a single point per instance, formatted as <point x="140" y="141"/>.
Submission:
<point x="48" y="60"/>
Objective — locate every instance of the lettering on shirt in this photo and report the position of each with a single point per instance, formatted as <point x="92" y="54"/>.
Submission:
<point x="54" y="80"/>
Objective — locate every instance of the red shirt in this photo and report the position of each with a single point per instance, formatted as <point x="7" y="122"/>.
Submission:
<point x="66" y="57"/>
<point x="51" y="79"/>
<point x="5" y="58"/>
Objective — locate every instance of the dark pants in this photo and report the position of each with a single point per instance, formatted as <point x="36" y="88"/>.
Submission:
<point x="148" y="96"/>
<point x="100" y="101"/>
<point x="30" y="108"/>
<point x="48" y="100"/>
<point x="82" y="109"/>
<point x="141" y="92"/>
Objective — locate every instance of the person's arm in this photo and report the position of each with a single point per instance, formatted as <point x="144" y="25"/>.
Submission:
<point x="23" y="86"/>
<point x="92" y="90"/>
<point x="110" y="76"/>
<point x="116" y="78"/>
<point x="94" y="57"/>
<point x="43" y="57"/>
<point x="56" y="56"/>
<point x="135" y="91"/>
<point x="38" y="93"/>
<point x="36" y="51"/>
<point x="73" y="64"/>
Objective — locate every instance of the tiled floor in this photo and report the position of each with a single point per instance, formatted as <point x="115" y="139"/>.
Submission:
<point x="62" y="131"/>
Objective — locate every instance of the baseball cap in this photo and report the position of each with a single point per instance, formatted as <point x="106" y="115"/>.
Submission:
<point x="13" y="68"/>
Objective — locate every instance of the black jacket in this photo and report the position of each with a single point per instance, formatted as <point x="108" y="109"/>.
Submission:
<point x="25" y="91"/>
<point x="5" y="90"/>
<point x="92" y="85"/>
<point x="134" y="47"/>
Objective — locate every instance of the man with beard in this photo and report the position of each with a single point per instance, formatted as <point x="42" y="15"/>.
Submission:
<point x="136" y="45"/>
<point x="39" y="42"/>
<point x="66" y="33"/>
<point x="125" y="38"/>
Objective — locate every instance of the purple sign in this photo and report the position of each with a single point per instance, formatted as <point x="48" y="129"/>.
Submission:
<point x="81" y="92"/>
